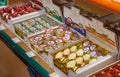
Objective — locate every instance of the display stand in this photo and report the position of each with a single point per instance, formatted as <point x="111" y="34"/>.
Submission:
<point x="42" y="65"/>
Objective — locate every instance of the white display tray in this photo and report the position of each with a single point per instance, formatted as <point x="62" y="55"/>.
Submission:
<point x="103" y="68"/>
<point x="24" y="17"/>
<point x="85" y="71"/>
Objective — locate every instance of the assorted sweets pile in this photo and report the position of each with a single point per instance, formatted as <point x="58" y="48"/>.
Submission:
<point x="79" y="55"/>
<point x="53" y="38"/>
<point x="12" y="12"/>
<point x="111" y="71"/>
<point x="25" y="28"/>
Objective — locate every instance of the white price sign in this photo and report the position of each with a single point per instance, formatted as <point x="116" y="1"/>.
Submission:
<point x="31" y="54"/>
<point x="54" y="75"/>
<point x="16" y="40"/>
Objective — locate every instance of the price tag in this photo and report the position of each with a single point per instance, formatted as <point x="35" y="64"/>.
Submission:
<point x="16" y="40"/>
<point x="31" y="54"/>
<point x="54" y="75"/>
<point x="2" y="27"/>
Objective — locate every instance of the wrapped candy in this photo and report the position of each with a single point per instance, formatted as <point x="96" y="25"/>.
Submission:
<point x="16" y="11"/>
<point x="111" y="71"/>
<point x="59" y="32"/>
<point x="81" y="55"/>
<point x="93" y="54"/>
<point x="86" y="49"/>
<point x="47" y="36"/>
<point x="59" y="43"/>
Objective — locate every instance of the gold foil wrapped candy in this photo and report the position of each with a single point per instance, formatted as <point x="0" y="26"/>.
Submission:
<point x="86" y="43"/>
<point x="80" y="55"/>
<point x="72" y="56"/>
<point x="71" y="64"/>
<point x="92" y="60"/>
<point x="73" y="49"/>
<point x="86" y="57"/>
<point x="59" y="55"/>
<point x="66" y="51"/>
<point x="80" y="52"/>
<point x="92" y="47"/>
<point x="79" y="60"/>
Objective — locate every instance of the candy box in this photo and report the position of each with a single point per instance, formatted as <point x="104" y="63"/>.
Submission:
<point x="78" y="55"/>
<point x="9" y="13"/>
<point x="33" y="25"/>
<point x="53" y="38"/>
<point x="112" y="70"/>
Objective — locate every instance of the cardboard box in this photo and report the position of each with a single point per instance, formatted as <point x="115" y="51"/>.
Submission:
<point x="16" y="2"/>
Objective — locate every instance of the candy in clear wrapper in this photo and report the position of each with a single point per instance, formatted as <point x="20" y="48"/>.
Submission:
<point x="86" y="57"/>
<point x="32" y="21"/>
<point x="71" y="64"/>
<point x="32" y="29"/>
<point x="46" y="25"/>
<point x="86" y="49"/>
<point x="93" y="54"/>
<point x="73" y="49"/>
<point x="79" y="60"/>
<point x="72" y="56"/>
<point x="48" y="48"/>
<point x="47" y="36"/>
<point x="38" y="19"/>
<point x="92" y="47"/>
<point x="59" y="32"/>
<point x="59" y="42"/>
<point x="66" y="51"/>
<point x="59" y="55"/>
<point x="86" y="43"/>
<point x="80" y="52"/>
<point x="25" y="32"/>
